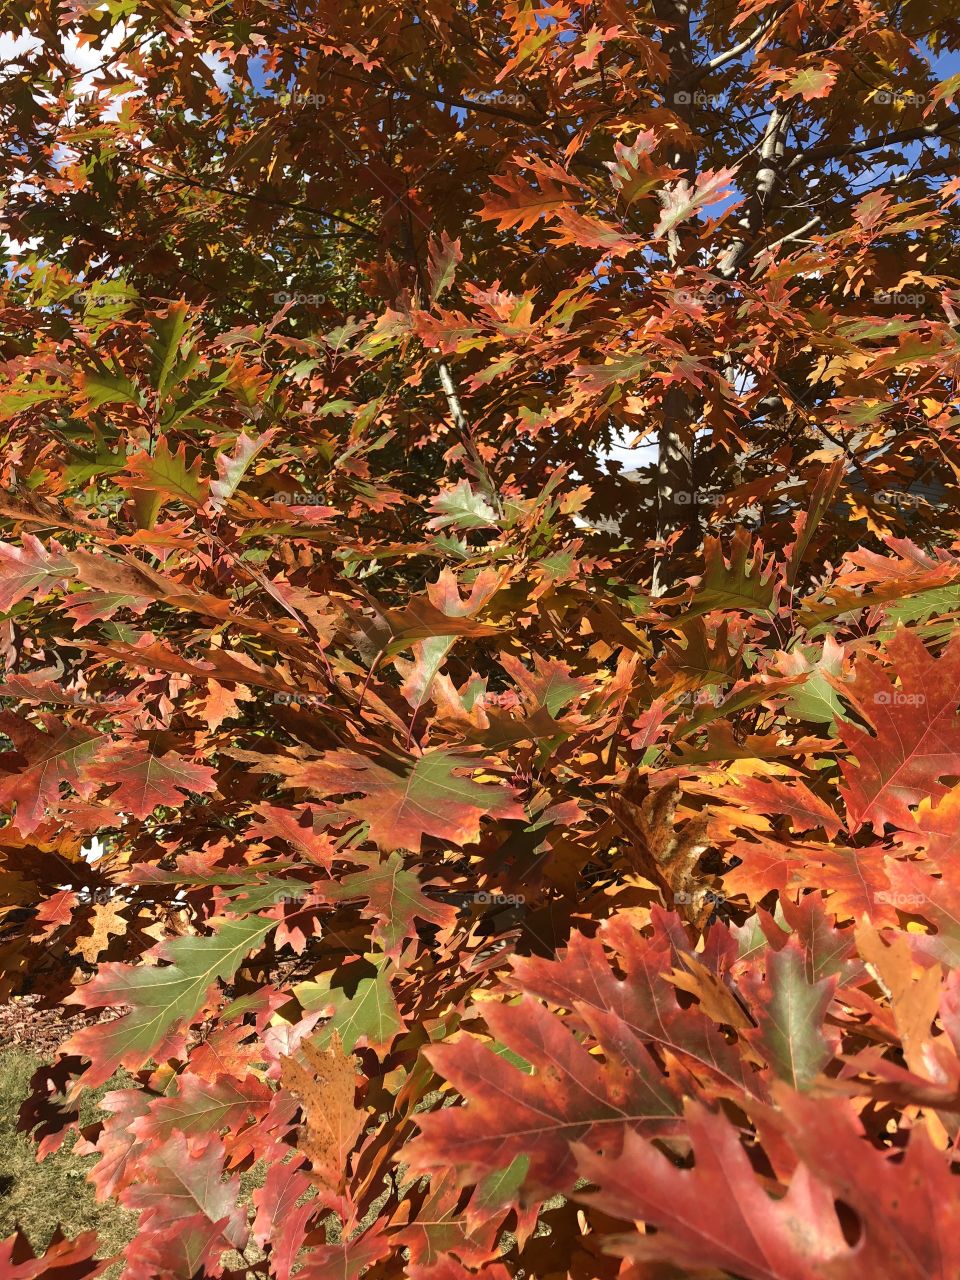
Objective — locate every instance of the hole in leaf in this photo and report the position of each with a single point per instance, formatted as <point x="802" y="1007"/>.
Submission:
<point x="850" y="1223"/>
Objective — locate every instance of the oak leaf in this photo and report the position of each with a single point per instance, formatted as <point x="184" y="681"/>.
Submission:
<point x="405" y="799"/>
<point x="917" y="731"/>
<point x="326" y="1083"/>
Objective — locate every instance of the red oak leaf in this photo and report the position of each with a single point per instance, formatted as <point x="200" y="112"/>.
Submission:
<point x="407" y="799"/>
<point x="147" y="780"/>
<point x="912" y="704"/>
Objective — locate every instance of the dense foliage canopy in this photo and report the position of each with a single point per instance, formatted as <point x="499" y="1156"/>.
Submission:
<point x="518" y="867"/>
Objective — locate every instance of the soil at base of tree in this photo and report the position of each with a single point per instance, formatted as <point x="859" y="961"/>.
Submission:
<point x="25" y="1022"/>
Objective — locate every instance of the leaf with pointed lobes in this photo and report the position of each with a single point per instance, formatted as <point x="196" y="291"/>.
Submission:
<point x="739" y="585"/>
<point x="870" y="579"/>
<point x="31" y="570"/>
<point x="561" y="1094"/>
<point x="443" y="258"/>
<point x="147" y="780"/>
<point x="810" y="83"/>
<point x="349" y="1259"/>
<point x="937" y="900"/>
<point x="394" y="895"/>
<point x="231" y="468"/>
<point x="553" y="685"/>
<point x="203" y="1106"/>
<point x="917" y="739"/>
<point x="793" y="800"/>
<point x="451" y="1269"/>
<point x="429" y="654"/>
<point x="393" y="630"/>
<point x="462" y="508"/>
<point x="296" y="826"/>
<point x="62" y="1260"/>
<point x="408" y="798"/>
<point x="522" y="205"/>
<point x="162" y="999"/>
<point x="116" y="1147"/>
<point x="326" y="1081"/>
<point x="53" y="754"/>
<point x="166" y="474"/>
<point x="55" y="912"/>
<point x="280" y="1222"/>
<point x="938" y="828"/>
<point x="641" y="1006"/>
<point x="438" y="1225"/>
<point x="181" y="1178"/>
<point x="815" y="700"/>
<point x="191" y="1247"/>
<point x="789" y="1011"/>
<point x="909" y="1209"/>
<point x="590" y="233"/>
<point x="808" y="520"/>
<point x="716" y="1214"/>
<point x="635" y="174"/>
<point x="361" y="1006"/>
<point x="679" y="201"/>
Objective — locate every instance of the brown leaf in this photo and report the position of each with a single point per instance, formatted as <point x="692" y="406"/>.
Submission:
<point x="326" y="1084"/>
<point x="106" y="920"/>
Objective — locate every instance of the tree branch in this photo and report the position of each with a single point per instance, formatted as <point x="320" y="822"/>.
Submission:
<point x="834" y="151"/>
<point x="274" y="201"/>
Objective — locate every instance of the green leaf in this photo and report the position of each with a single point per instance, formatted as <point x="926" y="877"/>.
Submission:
<point x="166" y="473"/>
<point x="790" y="1012"/>
<point x="363" y="1010"/>
<point x="500" y="1189"/>
<point x="395" y="895"/>
<point x="933" y="612"/>
<point x="815" y="700"/>
<point x="462" y="508"/>
<point x="739" y="585"/>
<point x="813" y="82"/>
<point x="160" y="997"/>
<point x="168" y="367"/>
<point x="442" y="265"/>
<point x="106" y="388"/>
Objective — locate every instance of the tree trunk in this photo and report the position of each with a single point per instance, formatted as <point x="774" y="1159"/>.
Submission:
<point x="676" y="497"/>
